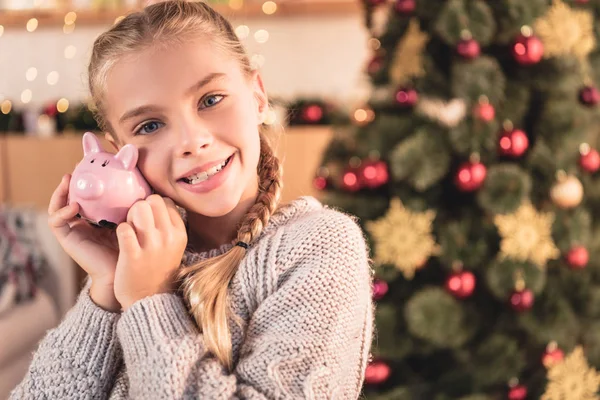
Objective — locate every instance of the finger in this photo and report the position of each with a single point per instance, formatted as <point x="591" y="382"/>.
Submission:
<point x="59" y="220"/>
<point x="162" y="220"/>
<point x="60" y="195"/>
<point x="141" y="220"/>
<point x="174" y="213"/>
<point x="128" y="241"/>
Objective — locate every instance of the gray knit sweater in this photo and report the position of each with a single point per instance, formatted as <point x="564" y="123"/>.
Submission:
<point x="303" y="291"/>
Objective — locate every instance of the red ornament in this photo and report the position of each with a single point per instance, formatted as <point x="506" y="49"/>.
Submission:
<point x="377" y="372"/>
<point x="518" y="392"/>
<point x="589" y="96"/>
<point x="513" y="143"/>
<point x="320" y="182"/>
<point x="374" y="174"/>
<point x="484" y="112"/>
<point x="406" y="97"/>
<point x="470" y="176"/>
<point x="552" y="355"/>
<point x="405" y="7"/>
<point x="578" y="257"/>
<point x="468" y="48"/>
<point x="51" y="110"/>
<point x="375" y="65"/>
<point x="461" y="284"/>
<point x="528" y="50"/>
<point x="351" y="181"/>
<point x="590" y="160"/>
<point x="521" y="300"/>
<point x="312" y="113"/>
<point x="380" y="288"/>
<point x="582" y="1"/>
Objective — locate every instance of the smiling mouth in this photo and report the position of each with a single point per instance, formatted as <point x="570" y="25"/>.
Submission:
<point x="205" y="175"/>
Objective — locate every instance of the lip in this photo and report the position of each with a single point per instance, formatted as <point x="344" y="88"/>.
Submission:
<point x="203" y="167"/>
<point x="211" y="183"/>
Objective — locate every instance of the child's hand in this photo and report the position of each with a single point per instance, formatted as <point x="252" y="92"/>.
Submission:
<point x="93" y="249"/>
<point x="151" y="245"/>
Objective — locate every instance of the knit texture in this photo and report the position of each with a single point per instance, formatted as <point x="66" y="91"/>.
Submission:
<point x="303" y="292"/>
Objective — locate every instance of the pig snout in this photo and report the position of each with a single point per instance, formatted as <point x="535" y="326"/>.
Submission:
<point x="89" y="186"/>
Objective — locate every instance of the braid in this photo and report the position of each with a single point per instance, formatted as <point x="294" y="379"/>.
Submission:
<point x="205" y="284"/>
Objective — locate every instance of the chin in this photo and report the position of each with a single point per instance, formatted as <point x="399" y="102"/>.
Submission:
<point x="212" y="208"/>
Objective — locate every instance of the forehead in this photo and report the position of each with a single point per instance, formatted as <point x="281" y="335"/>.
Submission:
<point x="166" y="69"/>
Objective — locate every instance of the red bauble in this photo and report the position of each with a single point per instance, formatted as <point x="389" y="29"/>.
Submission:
<point x="590" y="161"/>
<point x="405" y="7"/>
<point x="350" y="180"/>
<point x="374" y="174"/>
<point x="377" y="372"/>
<point x="320" y="182"/>
<point x="375" y="65"/>
<point x="470" y="176"/>
<point x="380" y="288"/>
<point x="484" y="112"/>
<point x="521" y="300"/>
<point x="468" y="48"/>
<point x="578" y="257"/>
<point x="51" y="110"/>
<point x="461" y="284"/>
<point x="513" y="143"/>
<point x="528" y="50"/>
<point x="312" y="113"/>
<point x="406" y="97"/>
<point x="582" y="1"/>
<point x="589" y="96"/>
<point x="518" y="392"/>
<point x="551" y="357"/>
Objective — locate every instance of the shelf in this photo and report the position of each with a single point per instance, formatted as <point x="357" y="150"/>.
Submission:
<point x="54" y="18"/>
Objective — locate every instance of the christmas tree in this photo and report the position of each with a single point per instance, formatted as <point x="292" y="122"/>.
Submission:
<point x="473" y="171"/>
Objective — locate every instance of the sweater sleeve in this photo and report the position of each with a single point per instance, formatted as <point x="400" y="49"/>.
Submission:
<point x="78" y="359"/>
<point x="310" y="338"/>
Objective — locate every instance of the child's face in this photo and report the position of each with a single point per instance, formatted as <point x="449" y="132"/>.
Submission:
<point x="179" y="126"/>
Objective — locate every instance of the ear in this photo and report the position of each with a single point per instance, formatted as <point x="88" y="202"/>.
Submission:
<point x="128" y="155"/>
<point x="91" y="144"/>
<point x="110" y="140"/>
<point x="260" y="95"/>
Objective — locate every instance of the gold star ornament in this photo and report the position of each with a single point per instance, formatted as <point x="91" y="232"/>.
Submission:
<point x="408" y="55"/>
<point x="527" y="236"/>
<point x="572" y="379"/>
<point x="565" y="31"/>
<point x="403" y="238"/>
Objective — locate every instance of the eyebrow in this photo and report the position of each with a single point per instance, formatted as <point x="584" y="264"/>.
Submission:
<point x="196" y="87"/>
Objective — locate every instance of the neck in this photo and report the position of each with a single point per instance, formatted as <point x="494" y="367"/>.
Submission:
<point x="206" y="233"/>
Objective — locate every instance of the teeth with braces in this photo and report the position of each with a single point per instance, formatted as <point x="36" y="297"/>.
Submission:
<point x="202" y="176"/>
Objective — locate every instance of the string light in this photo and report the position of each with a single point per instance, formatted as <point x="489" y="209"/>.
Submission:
<point x="1" y="30"/>
<point x="26" y="96"/>
<point x="242" y="32"/>
<point x="32" y="24"/>
<point x="271" y="117"/>
<point x="62" y="105"/>
<point x="119" y="19"/>
<point x="236" y="4"/>
<point x="70" y="51"/>
<point x="269" y="7"/>
<point x="261" y="36"/>
<point x="31" y="74"/>
<point x="70" y="18"/>
<point x="6" y="107"/>
<point x="52" y="78"/>
<point x="257" y="61"/>
<point x="68" y="28"/>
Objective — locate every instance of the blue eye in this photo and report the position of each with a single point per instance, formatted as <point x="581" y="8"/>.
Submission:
<point x="149" y="127"/>
<point x="210" y="101"/>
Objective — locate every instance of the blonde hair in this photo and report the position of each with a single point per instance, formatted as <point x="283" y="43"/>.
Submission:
<point x="205" y="284"/>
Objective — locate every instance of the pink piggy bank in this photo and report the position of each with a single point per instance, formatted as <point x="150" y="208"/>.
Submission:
<point x="106" y="185"/>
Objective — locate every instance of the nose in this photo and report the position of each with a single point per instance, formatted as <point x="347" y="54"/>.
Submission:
<point x="193" y="137"/>
<point x="89" y="187"/>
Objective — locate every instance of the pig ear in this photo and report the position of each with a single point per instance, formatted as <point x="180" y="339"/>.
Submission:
<point x="128" y="155"/>
<point x="91" y="144"/>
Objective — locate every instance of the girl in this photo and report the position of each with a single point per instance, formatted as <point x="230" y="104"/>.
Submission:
<point x="232" y="297"/>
